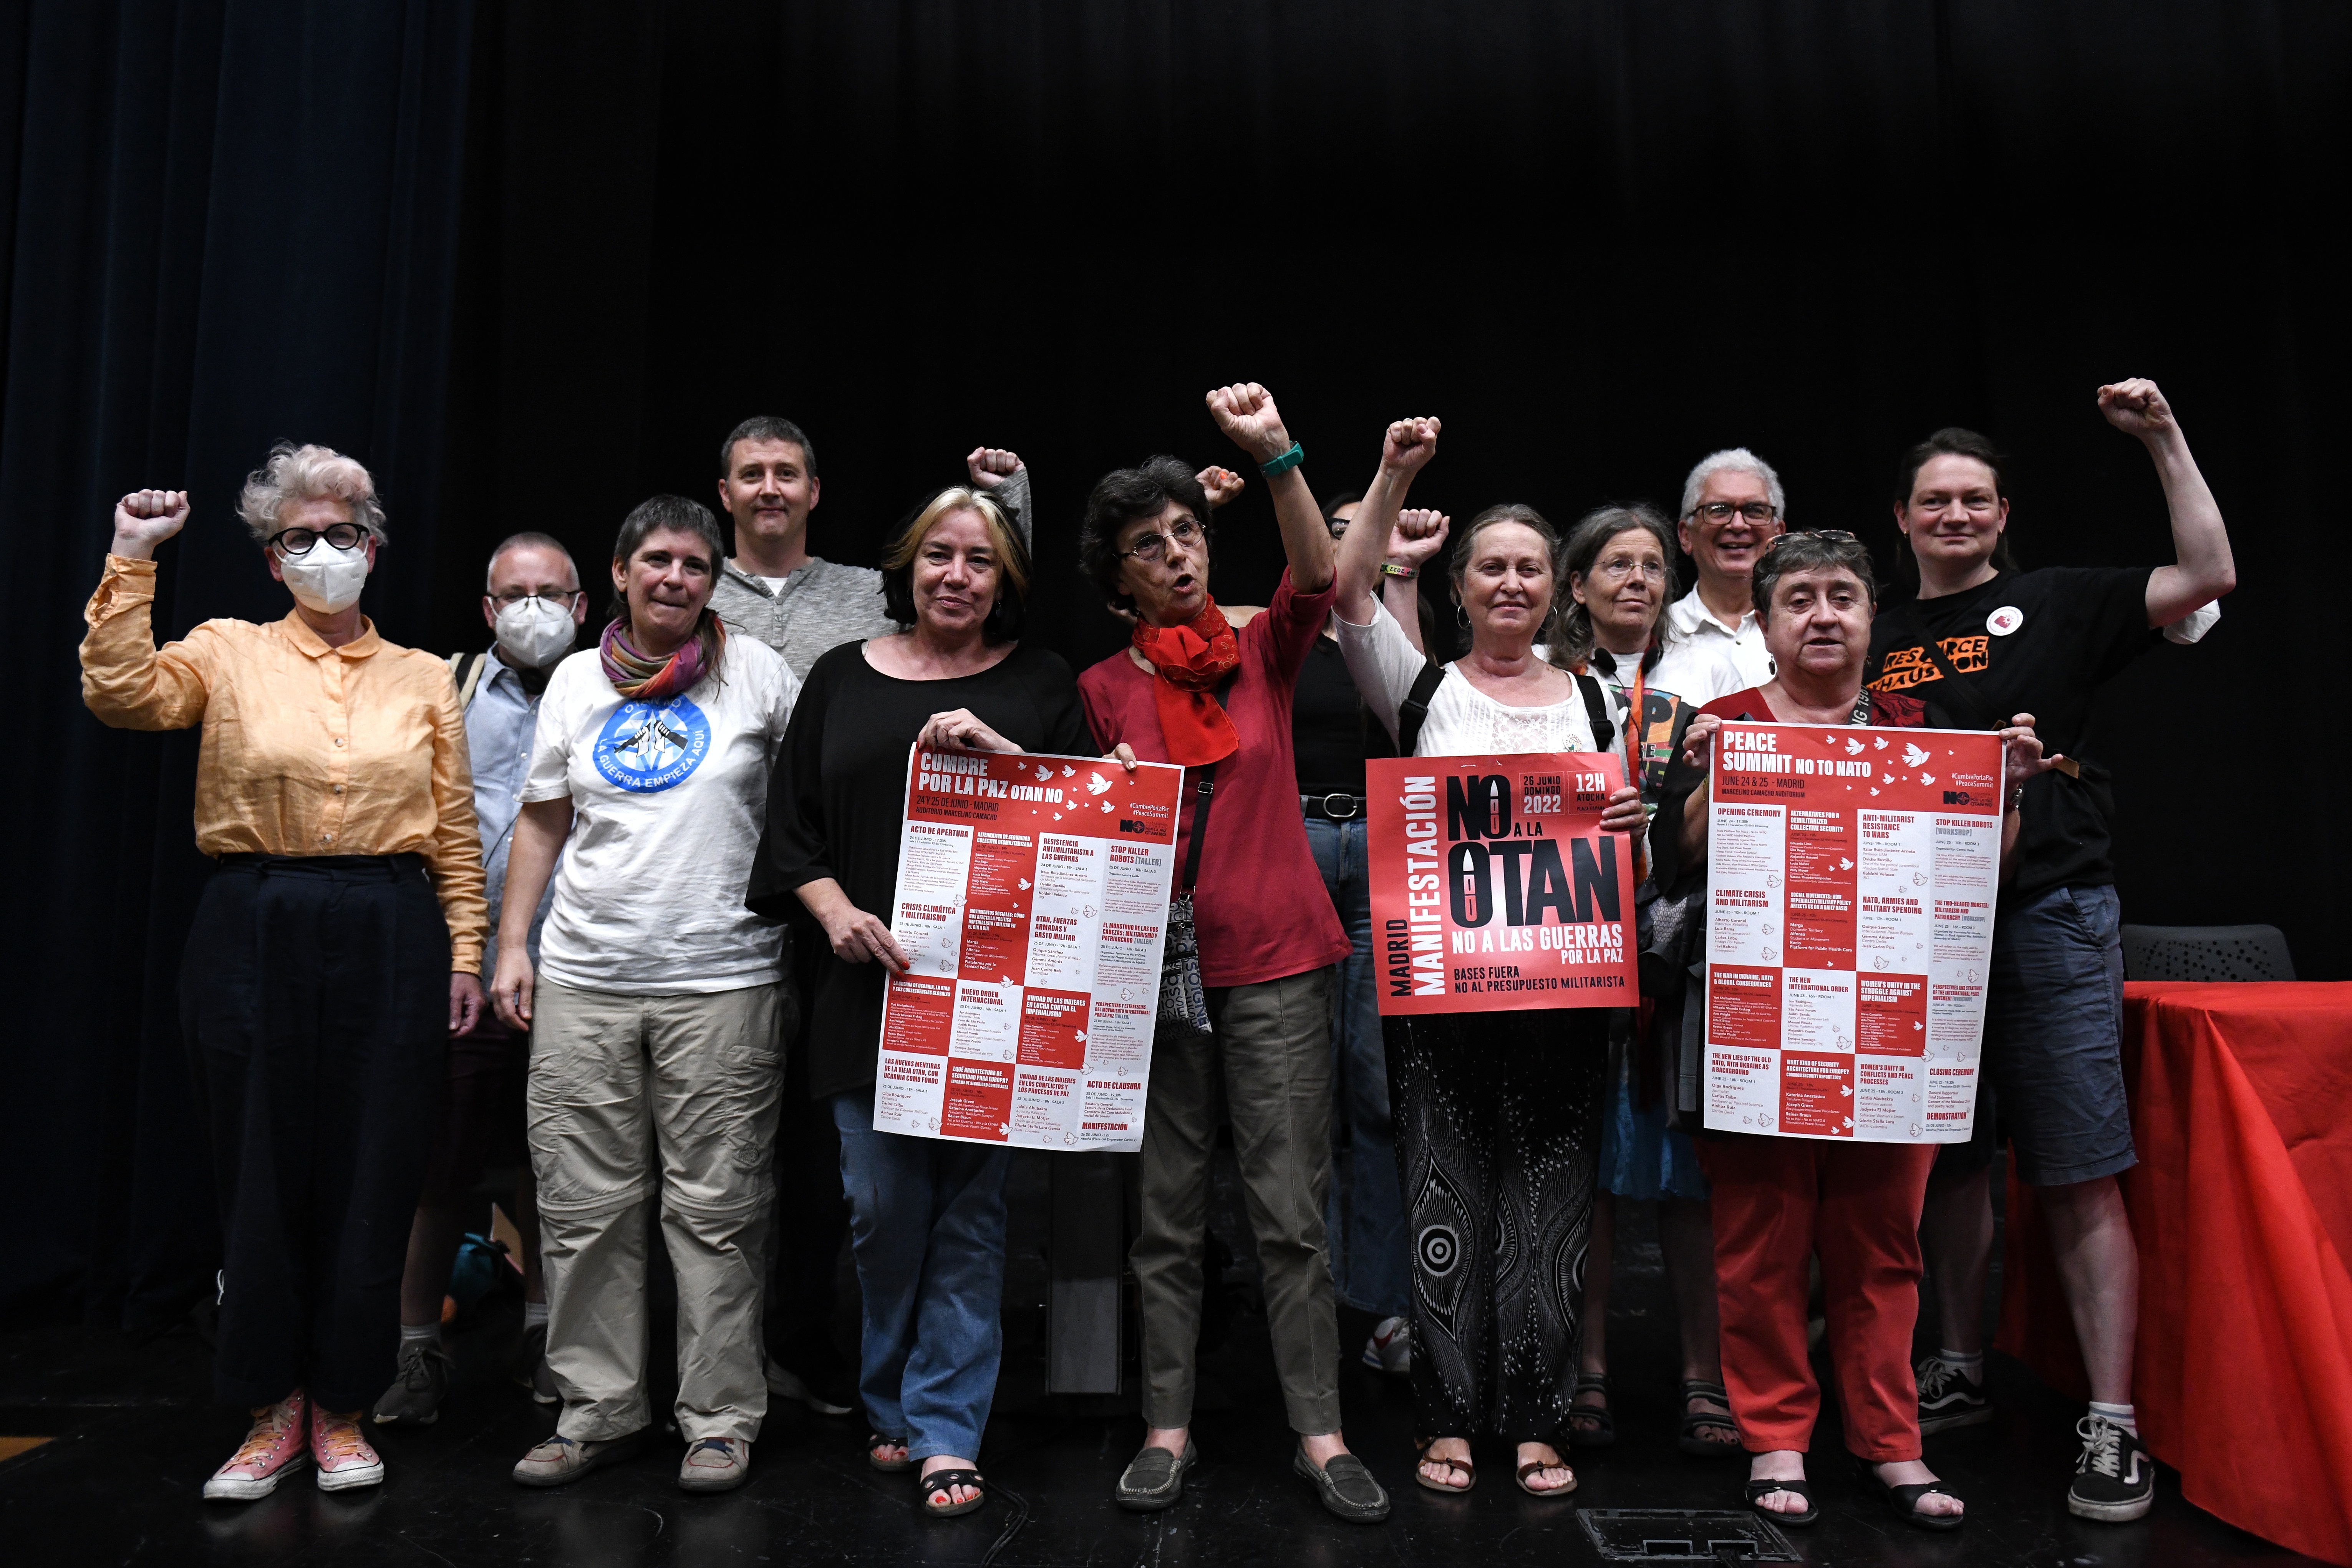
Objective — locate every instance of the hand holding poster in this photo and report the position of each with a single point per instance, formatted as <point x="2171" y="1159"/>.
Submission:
<point x="1032" y="900"/>
<point x="1493" y="887"/>
<point x="1851" y="879"/>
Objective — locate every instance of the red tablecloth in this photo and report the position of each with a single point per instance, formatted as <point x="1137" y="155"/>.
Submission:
<point x="2241" y="1202"/>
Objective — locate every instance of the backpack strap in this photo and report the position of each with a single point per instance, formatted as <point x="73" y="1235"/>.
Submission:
<point x="466" y="669"/>
<point x="1596" y="709"/>
<point x="1413" y="711"/>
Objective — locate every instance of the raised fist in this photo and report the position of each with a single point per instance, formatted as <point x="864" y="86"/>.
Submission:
<point x="144" y="519"/>
<point x="1419" y="534"/>
<point x="1222" y="484"/>
<point x="2138" y="408"/>
<point x="1409" y="445"/>
<point x="990" y="467"/>
<point x="1245" y="412"/>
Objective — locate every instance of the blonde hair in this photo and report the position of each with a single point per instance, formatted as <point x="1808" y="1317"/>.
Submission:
<point x="1011" y="559"/>
<point x="308" y="473"/>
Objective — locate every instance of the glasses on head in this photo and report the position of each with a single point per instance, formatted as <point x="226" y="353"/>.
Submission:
<point x="1781" y="539"/>
<point x="1619" y="570"/>
<point x="1757" y="511"/>
<point x="1152" y="546"/>
<point x="291" y="542"/>
<point x="563" y="596"/>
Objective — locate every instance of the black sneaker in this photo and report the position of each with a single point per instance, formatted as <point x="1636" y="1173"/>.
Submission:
<point x="417" y="1388"/>
<point x="528" y="1368"/>
<point x="1950" y="1397"/>
<point x="2114" y="1481"/>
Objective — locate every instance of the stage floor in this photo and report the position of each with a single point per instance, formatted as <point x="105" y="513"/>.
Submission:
<point x="133" y="1434"/>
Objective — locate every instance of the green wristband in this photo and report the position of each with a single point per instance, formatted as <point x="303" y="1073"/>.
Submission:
<point x="1283" y="464"/>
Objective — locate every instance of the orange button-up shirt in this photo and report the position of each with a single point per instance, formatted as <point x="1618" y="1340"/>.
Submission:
<point x="307" y="749"/>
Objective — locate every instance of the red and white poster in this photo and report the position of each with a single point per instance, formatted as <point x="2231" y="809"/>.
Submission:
<point x="1031" y="901"/>
<point x="1851" y="879"/>
<point x="1494" y="888"/>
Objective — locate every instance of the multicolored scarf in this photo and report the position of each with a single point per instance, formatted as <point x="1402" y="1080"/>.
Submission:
<point x="1191" y="659"/>
<point x="644" y="679"/>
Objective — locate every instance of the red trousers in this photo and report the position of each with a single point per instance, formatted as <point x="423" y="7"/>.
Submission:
<point x="1778" y="1201"/>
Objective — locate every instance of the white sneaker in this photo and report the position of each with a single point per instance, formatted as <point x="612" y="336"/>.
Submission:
<point x="1390" y="1349"/>
<point x="785" y="1383"/>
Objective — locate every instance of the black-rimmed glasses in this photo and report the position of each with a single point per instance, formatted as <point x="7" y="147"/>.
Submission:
<point x="291" y="542"/>
<point x="1756" y="511"/>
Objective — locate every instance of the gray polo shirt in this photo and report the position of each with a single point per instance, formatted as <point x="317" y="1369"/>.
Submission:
<point x="826" y="604"/>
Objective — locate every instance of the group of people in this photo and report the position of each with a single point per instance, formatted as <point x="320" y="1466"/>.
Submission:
<point x="628" y="909"/>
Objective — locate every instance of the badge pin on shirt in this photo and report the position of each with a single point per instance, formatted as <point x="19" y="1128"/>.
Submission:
<point x="2005" y="620"/>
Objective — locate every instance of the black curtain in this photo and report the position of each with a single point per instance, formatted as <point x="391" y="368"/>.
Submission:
<point x="226" y="224"/>
<point x="532" y="264"/>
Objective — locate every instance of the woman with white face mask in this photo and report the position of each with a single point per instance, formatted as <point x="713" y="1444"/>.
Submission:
<point x="335" y="950"/>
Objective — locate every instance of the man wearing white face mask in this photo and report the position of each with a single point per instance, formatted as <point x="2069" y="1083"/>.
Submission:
<point x="533" y="604"/>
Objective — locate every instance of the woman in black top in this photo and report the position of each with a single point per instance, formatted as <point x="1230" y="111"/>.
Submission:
<point x="1983" y="640"/>
<point x="926" y="1216"/>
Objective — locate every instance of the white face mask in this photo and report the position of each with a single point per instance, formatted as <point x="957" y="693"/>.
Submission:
<point x="534" y="633"/>
<point x="326" y="579"/>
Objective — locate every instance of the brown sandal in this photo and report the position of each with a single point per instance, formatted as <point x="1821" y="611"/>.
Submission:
<point x="1422" y="1456"/>
<point x="1534" y="1466"/>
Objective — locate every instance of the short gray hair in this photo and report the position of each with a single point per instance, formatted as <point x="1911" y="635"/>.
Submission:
<point x="308" y="473"/>
<point x="531" y="538"/>
<point x="1734" y="459"/>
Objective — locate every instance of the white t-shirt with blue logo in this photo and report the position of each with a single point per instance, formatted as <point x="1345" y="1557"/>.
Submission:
<point x="667" y="798"/>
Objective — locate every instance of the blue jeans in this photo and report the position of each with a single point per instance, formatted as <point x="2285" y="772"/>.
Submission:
<point x="1365" y="1216"/>
<point x="926" y="1227"/>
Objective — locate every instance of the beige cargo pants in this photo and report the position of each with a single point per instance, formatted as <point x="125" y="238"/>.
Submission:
<point x="630" y="1095"/>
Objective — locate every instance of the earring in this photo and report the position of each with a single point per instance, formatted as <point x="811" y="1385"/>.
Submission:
<point x="1462" y="615"/>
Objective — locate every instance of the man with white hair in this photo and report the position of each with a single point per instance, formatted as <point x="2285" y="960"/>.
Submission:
<point x="534" y="604"/>
<point x="1733" y="506"/>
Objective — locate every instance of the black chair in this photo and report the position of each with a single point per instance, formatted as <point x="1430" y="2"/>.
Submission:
<point x="2205" y="952"/>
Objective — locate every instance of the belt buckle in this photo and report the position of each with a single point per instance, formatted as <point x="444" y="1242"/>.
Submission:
<point x="1336" y="815"/>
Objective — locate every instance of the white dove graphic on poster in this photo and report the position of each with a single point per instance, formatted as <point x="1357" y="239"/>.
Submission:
<point x="1024" y="884"/>
<point x="1844" y="864"/>
<point x="1927" y="778"/>
<point x="1106" y="806"/>
<point x="1852" y="747"/>
<point x="1080" y="1035"/>
<point x="1068" y="768"/>
<point x="1043" y="773"/>
<point x="1912" y="755"/>
<point x="1874" y="789"/>
<point x="1096" y="783"/>
<point x="1846" y="1089"/>
<point x="1880" y="743"/>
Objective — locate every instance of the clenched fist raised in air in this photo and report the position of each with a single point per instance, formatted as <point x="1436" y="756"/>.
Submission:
<point x="144" y="519"/>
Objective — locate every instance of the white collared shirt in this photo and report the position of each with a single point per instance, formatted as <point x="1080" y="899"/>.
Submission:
<point x="1704" y="659"/>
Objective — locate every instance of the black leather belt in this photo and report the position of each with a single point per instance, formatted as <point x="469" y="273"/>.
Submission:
<point x="1336" y="806"/>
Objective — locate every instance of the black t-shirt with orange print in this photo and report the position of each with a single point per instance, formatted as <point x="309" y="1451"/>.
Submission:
<point x="2030" y="642"/>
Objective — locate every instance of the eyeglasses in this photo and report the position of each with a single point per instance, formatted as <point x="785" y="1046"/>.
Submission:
<point x="1781" y="539"/>
<point x="1618" y="570"/>
<point x="1152" y="546"/>
<point x="293" y="541"/>
<point x="563" y="596"/>
<point x="1749" y="511"/>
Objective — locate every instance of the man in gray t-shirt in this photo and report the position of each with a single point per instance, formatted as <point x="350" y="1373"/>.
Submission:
<point x="773" y="589"/>
<point x="801" y="605"/>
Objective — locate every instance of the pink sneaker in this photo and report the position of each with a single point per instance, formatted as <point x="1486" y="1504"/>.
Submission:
<point x="342" y="1453"/>
<point x="273" y="1446"/>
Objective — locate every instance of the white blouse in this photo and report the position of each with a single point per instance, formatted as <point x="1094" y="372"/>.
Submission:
<point x="1463" y="721"/>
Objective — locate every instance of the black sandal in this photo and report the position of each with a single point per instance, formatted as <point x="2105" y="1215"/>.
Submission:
<point x="887" y="1466"/>
<point x="1695" y="1422"/>
<point x="1603" y="1430"/>
<point x="1904" y="1500"/>
<point x="1759" y="1490"/>
<point x="946" y="1481"/>
<point x="1421" y="1446"/>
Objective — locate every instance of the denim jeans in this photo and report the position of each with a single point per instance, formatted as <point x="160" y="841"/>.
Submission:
<point x="1365" y="1216"/>
<point x="926" y="1227"/>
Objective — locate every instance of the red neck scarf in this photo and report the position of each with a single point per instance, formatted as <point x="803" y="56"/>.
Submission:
<point x="1191" y="660"/>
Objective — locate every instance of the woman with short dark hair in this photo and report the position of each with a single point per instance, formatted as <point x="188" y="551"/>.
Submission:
<point x="927" y="1215"/>
<point x="1192" y="689"/>
<point x="1780" y="1202"/>
<point x="655" y="1004"/>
